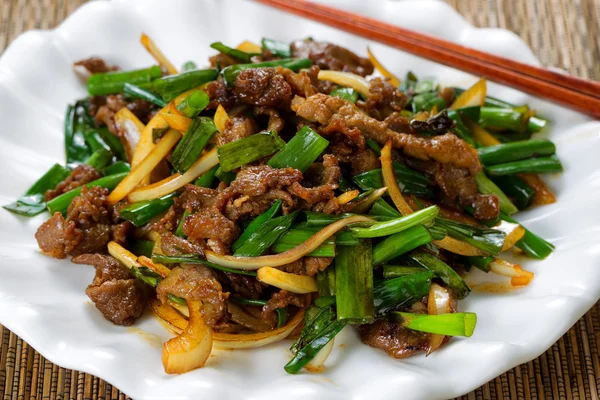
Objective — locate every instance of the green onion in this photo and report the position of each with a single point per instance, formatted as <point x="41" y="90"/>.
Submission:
<point x="179" y="231"/>
<point x="316" y="318"/>
<point x="409" y="181"/>
<point x="146" y="275"/>
<point x="461" y="130"/>
<point x="395" y="271"/>
<point x="32" y="202"/>
<point x="471" y="112"/>
<point x="196" y="259"/>
<point x="533" y="245"/>
<point x="191" y="146"/>
<point x="345" y="185"/>
<point x="141" y="247"/>
<point x="277" y="48"/>
<point x="295" y="237"/>
<point x="264" y="237"/>
<point x="347" y="94"/>
<point x="517" y="189"/>
<point x="172" y="85"/>
<point x="235" y="53"/>
<point x="142" y="212"/>
<point x="139" y="93"/>
<point x="62" y="202"/>
<point x="390" y="294"/>
<point x="409" y="82"/>
<point x="206" y="179"/>
<point x="192" y="105"/>
<point x="225" y="176"/>
<point x="373" y="145"/>
<point x="113" y="82"/>
<point x="485" y="239"/>
<point x="539" y="165"/>
<point x="108" y="141"/>
<point x="482" y="263"/>
<point x="442" y="271"/>
<point x="354" y="283"/>
<point x="326" y="283"/>
<point x="426" y="85"/>
<point x="76" y="127"/>
<point x="397" y="225"/>
<point x="99" y="159"/>
<point x="400" y="243"/>
<point x="383" y="208"/>
<point x="188" y="66"/>
<point x="504" y="118"/>
<point x="455" y="324"/>
<point x="256" y="224"/>
<point x="437" y="232"/>
<point x="299" y="234"/>
<point x="301" y="151"/>
<point x="426" y="101"/>
<point x="486" y="186"/>
<point x="503" y="153"/>
<point x="249" y="302"/>
<point x="230" y="73"/>
<point x="233" y="155"/>
<point x="116" y="168"/>
<point x="281" y="317"/>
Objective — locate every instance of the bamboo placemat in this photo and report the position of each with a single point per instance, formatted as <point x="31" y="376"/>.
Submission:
<point x="562" y="33"/>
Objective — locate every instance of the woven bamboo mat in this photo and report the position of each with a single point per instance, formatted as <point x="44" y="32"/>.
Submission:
<point x="562" y="33"/>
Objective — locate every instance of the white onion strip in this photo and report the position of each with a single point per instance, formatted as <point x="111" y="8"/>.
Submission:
<point x="176" y="181"/>
<point x="347" y="79"/>
<point x="276" y="260"/>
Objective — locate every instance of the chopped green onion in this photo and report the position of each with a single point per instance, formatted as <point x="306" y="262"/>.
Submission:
<point x="116" y="168"/>
<point x="471" y="112"/>
<point x="383" y="208"/>
<point x="235" y="53"/>
<point x="390" y="294"/>
<point x="188" y="66"/>
<point x="172" y="85"/>
<point x="256" y="224"/>
<point x="400" y="243"/>
<point x="264" y="237"/>
<point x="308" y="352"/>
<point x="442" y="271"/>
<point x="62" y="202"/>
<point x="503" y="153"/>
<point x="347" y="94"/>
<point x="179" y="231"/>
<point x="146" y="275"/>
<point x="485" y="239"/>
<point x="77" y="125"/>
<point x="394" y="271"/>
<point x="106" y="83"/>
<point x="533" y="245"/>
<point x="206" y="179"/>
<point x="486" y="186"/>
<point x="300" y="234"/>
<point x="454" y="324"/>
<point x="294" y="237"/>
<point x="142" y="212"/>
<point x="301" y="151"/>
<point x="354" y="283"/>
<point x="373" y="145"/>
<point x="281" y="317"/>
<point x="196" y="259"/>
<point x="326" y="283"/>
<point x="191" y="146"/>
<point x="409" y="181"/>
<point x="230" y="73"/>
<point x="482" y="263"/>
<point x="249" y="302"/>
<point x="539" y="165"/>
<point x="99" y="159"/>
<point x="139" y="93"/>
<point x="192" y="105"/>
<point x="461" y="130"/>
<point x="426" y="85"/>
<point x="517" y="189"/>
<point x="233" y="155"/>
<point x="32" y="202"/>
<point x="386" y="228"/>
<point x="316" y="318"/>
<point x="504" y="118"/>
<point x="277" y="48"/>
<point x="225" y="176"/>
<point x="409" y="82"/>
<point x="141" y="247"/>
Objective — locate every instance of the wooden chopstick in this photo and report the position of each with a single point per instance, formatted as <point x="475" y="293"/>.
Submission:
<point x="579" y="94"/>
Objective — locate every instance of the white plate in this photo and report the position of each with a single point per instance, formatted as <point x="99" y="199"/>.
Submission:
<point x="43" y="301"/>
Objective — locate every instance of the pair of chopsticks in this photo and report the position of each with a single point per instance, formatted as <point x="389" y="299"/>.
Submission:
<point x="579" y="94"/>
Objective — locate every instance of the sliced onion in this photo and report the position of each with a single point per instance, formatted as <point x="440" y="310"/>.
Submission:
<point x="318" y="361"/>
<point x="145" y="167"/>
<point x="172" y="319"/>
<point x="513" y="232"/>
<point x="176" y="181"/>
<point x="389" y="179"/>
<point x="253" y="263"/>
<point x="543" y="194"/>
<point x="438" y="302"/>
<point x="239" y="316"/>
<point x="249" y="47"/>
<point x="473" y="96"/>
<point x="221" y="118"/>
<point x="363" y="205"/>
<point x="177" y="122"/>
<point x="157" y="54"/>
<point x="347" y="196"/>
<point x="123" y="255"/>
<point x="346" y="79"/>
<point x="284" y="280"/>
<point x="505" y="268"/>
<point x="253" y="340"/>
<point x="191" y="349"/>
<point x="155" y="267"/>
<point x="383" y="70"/>
<point x="481" y="135"/>
<point x="458" y="247"/>
<point x="131" y="129"/>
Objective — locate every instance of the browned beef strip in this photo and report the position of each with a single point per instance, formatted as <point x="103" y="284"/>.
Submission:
<point x="282" y="299"/>
<point x="80" y="175"/>
<point x="276" y="122"/>
<point x="195" y="197"/>
<point x="209" y="223"/>
<point x="332" y="57"/>
<point x="262" y="87"/>
<point x="328" y="179"/>
<point x="384" y="99"/>
<point x="398" y="123"/>
<point x="222" y="60"/>
<point x="220" y="94"/>
<point x="333" y="111"/>
<point x="93" y="65"/>
<point x="90" y="224"/>
<point x="196" y="282"/>
<point x="307" y="265"/>
<point x="105" y="108"/>
<point x="395" y="340"/>
<point x="114" y="292"/>
<point x="360" y="160"/>
<point x="236" y="128"/>
<point x="247" y="287"/>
